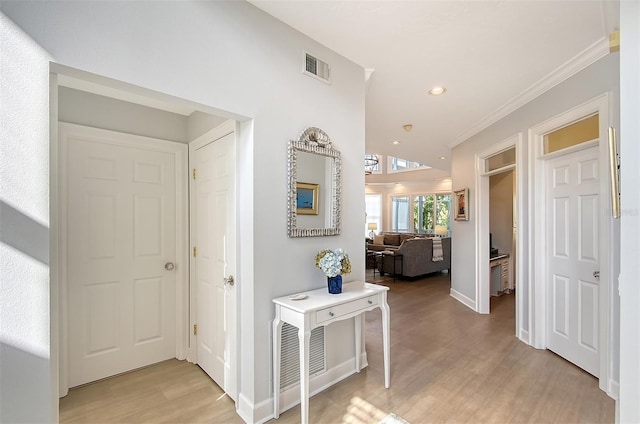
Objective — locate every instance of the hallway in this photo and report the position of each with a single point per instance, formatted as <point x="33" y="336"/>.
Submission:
<point x="448" y="365"/>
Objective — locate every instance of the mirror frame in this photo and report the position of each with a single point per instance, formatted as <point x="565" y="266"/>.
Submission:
<point x="313" y="140"/>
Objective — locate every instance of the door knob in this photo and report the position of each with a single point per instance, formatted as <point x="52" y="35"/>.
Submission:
<point x="169" y="266"/>
<point x="229" y="281"/>
<point x="596" y="275"/>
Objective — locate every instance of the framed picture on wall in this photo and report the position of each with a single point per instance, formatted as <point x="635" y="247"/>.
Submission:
<point x="461" y="205"/>
<point x="307" y="198"/>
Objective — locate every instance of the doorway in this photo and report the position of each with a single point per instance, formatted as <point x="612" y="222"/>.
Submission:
<point x="213" y="262"/>
<point x="122" y="198"/>
<point x="114" y="91"/>
<point x="502" y="163"/>
<point x="502" y="234"/>
<point x="571" y="270"/>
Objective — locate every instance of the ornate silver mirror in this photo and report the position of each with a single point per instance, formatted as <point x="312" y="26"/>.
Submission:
<point x="314" y="186"/>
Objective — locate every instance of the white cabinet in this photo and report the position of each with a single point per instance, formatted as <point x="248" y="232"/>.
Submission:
<point x="499" y="275"/>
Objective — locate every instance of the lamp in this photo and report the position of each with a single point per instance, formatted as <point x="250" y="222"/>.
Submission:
<point x="441" y="230"/>
<point x="372" y="227"/>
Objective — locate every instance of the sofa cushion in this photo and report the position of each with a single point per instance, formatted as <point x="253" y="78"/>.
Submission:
<point x="407" y="236"/>
<point x="392" y="239"/>
<point x="379" y="239"/>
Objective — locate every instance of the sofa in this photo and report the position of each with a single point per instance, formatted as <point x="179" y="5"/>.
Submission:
<point x="417" y="258"/>
<point x="391" y="241"/>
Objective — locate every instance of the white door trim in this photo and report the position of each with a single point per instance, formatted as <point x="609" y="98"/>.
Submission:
<point x="182" y="274"/>
<point x="231" y="377"/>
<point x="482" y="228"/>
<point x="537" y="248"/>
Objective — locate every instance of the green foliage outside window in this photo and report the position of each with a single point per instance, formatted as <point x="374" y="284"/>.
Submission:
<point x="430" y="208"/>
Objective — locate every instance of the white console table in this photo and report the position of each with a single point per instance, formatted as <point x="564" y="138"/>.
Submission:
<point x="320" y="308"/>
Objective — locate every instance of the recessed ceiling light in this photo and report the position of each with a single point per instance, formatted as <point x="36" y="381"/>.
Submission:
<point x="407" y="127"/>
<point x="442" y="157"/>
<point x="395" y="142"/>
<point x="437" y="90"/>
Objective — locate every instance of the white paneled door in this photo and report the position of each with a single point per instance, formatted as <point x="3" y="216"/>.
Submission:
<point x="213" y="237"/>
<point x="573" y="214"/>
<point x="121" y="253"/>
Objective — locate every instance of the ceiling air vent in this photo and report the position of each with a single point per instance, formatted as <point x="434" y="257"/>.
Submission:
<point x="317" y="68"/>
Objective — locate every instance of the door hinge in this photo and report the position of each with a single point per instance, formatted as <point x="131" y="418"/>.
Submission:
<point x="195" y="252"/>
<point x="195" y="329"/>
<point x="194" y="173"/>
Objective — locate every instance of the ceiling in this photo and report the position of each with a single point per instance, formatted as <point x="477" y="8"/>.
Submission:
<point x="492" y="57"/>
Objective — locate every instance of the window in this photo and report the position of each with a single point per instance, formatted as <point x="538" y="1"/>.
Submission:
<point x="402" y="165"/>
<point x="500" y="160"/>
<point x="431" y="212"/>
<point x="423" y="213"/>
<point x="398" y="164"/>
<point x="572" y="135"/>
<point x="373" y="208"/>
<point x="400" y="214"/>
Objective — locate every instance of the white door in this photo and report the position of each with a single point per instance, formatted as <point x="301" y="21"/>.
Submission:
<point x="573" y="214"/>
<point x="121" y="231"/>
<point x="213" y="233"/>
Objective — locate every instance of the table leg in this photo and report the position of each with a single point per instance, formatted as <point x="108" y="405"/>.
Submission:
<point x="385" y="340"/>
<point x="394" y="268"/>
<point x="303" y="338"/>
<point x="358" y="332"/>
<point x="277" y="342"/>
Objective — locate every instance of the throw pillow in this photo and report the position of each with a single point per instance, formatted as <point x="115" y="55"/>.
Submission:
<point x="379" y="239"/>
<point x="392" y="239"/>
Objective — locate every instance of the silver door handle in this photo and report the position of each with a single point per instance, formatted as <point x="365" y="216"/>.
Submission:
<point x="169" y="266"/>
<point x="229" y="281"/>
<point x="596" y="275"/>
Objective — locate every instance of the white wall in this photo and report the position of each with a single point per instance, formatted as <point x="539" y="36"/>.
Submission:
<point x="598" y="78"/>
<point x="629" y="407"/>
<point x="232" y="57"/>
<point x="83" y="108"/>
<point x="199" y="123"/>
<point x="25" y="382"/>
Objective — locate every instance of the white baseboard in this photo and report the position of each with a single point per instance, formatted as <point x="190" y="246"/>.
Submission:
<point x="245" y="409"/>
<point x="469" y="303"/>
<point x="614" y="389"/>
<point x="255" y="414"/>
<point x="524" y="336"/>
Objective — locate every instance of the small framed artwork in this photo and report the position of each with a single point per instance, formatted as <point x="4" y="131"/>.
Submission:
<point x="307" y="198"/>
<point x="461" y="204"/>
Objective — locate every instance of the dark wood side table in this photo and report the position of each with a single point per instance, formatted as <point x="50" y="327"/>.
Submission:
<point x="395" y="256"/>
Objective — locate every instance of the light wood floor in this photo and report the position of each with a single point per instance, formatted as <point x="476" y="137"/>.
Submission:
<point x="448" y="365"/>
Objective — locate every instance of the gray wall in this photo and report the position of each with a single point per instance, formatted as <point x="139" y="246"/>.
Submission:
<point x="598" y="78"/>
<point x="501" y="211"/>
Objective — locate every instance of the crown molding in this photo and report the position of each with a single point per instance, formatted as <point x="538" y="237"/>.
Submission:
<point x="588" y="56"/>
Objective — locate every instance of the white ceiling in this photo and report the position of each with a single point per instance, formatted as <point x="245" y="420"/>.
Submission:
<point x="492" y="56"/>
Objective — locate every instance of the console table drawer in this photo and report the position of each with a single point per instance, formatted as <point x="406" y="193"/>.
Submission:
<point x="346" y="308"/>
